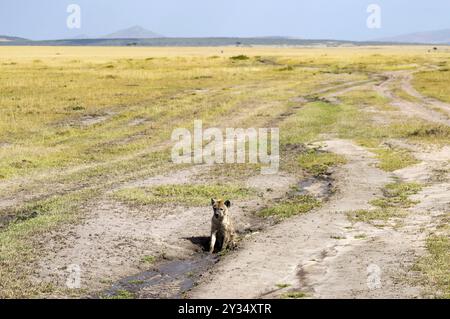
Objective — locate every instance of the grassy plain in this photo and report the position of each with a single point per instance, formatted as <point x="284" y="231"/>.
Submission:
<point x="77" y="121"/>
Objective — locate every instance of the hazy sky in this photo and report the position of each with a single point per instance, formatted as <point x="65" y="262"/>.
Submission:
<point x="337" y="19"/>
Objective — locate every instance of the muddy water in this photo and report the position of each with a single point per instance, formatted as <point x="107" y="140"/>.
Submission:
<point x="169" y="280"/>
<point x="319" y="187"/>
<point x="174" y="278"/>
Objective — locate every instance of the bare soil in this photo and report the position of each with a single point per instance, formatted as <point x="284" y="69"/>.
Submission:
<point x="321" y="253"/>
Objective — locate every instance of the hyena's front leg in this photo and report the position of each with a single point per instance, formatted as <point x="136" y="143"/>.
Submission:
<point x="232" y="243"/>
<point x="228" y="241"/>
<point x="213" y="242"/>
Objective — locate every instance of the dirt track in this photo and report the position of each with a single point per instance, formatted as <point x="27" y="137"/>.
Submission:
<point x="423" y="108"/>
<point x="319" y="253"/>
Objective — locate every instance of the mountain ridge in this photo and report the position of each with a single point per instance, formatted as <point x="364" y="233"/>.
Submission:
<point x="134" y="32"/>
<point x="7" y="38"/>
<point x="441" y="36"/>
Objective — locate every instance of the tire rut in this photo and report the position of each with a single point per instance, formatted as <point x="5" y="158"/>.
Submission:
<point x="422" y="109"/>
<point x="280" y="254"/>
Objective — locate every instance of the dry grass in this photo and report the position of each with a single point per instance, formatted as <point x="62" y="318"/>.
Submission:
<point x="434" y="83"/>
<point x="77" y="121"/>
<point x="435" y="265"/>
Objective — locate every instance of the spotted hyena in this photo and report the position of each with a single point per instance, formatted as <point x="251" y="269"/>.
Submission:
<point x="222" y="230"/>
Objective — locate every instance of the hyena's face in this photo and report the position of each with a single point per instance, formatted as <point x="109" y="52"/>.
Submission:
<point x="220" y="208"/>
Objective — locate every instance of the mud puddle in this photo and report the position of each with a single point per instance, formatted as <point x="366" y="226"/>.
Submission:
<point x="170" y="280"/>
<point x="10" y="217"/>
<point x="318" y="187"/>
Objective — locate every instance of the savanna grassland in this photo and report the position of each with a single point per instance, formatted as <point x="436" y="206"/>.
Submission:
<point x="86" y="176"/>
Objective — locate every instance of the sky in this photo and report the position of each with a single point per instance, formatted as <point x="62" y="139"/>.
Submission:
<point x="313" y="19"/>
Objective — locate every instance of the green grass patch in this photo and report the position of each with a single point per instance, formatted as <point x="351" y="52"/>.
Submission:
<point x="396" y="195"/>
<point x="148" y="259"/>
<point x="294" y="295"/>
<point x="394" y="159"/>
<point x="191" y="195"/>
<point x="318" y="163"/>
<point x="313" y="119"/>
<point x="296" y="205"/>
<point x="368" y="142"/>
<point x="122" y="294"/>
<point x="419" y="131"/>
<point x="281" y="286"/>
<point x="392" y="204"/>
<point x="435" y="266"/>
<point x="368" y="216"/>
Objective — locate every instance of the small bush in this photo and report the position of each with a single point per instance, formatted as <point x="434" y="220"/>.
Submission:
<point x="77" y="108"/>
<point x="239" y="57"/>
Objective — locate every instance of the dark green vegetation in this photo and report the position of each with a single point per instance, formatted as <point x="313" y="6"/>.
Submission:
<point x="298" y="204"/>
<point x="392" y="204"/>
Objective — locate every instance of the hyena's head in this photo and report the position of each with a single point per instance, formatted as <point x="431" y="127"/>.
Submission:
<point x="220" y="207"/>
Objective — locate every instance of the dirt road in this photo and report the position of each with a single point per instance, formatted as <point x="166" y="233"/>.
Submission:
<point x="321" y="254"/>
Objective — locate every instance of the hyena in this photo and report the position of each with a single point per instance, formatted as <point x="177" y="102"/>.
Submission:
<point x="222" y="229"/>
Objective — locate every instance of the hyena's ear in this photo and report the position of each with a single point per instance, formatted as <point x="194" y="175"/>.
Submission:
<point x="227" y="203"/>
<point x="213" y="201"/>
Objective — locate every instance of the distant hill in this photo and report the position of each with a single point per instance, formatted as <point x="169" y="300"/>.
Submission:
<point x="184" y="42"/>
<point x="426" y="37"/>
<point x="191" y="42"/>
<point x="136" y="32"/>
<point x="80" y="37"/>
<point x="5" y="38"/>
